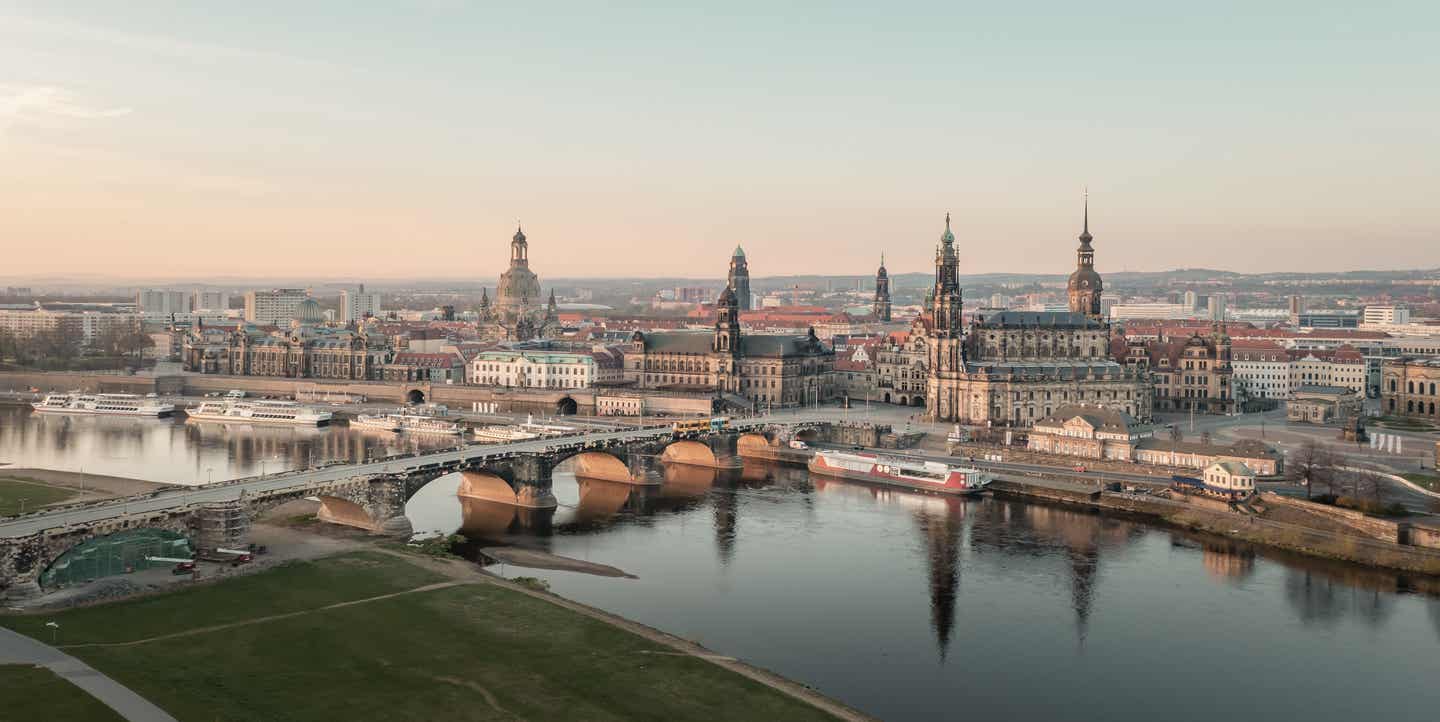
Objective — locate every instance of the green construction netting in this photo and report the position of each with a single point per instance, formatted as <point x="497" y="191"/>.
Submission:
<point x="119" y="553"/>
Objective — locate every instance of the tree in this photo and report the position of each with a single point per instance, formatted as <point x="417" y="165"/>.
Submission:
<point x="1313" y="464"/>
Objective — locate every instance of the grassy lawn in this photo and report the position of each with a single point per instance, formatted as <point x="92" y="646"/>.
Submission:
<point x="1429" y="481"/>
<point x="36" y="693"/>
<point x="36" y="495"/>
<point x="289" y="588"/>
<point x="471" y="652"/>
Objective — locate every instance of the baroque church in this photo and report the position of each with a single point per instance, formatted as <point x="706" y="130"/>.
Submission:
<point x="1012" y="368"/>
<point x="517" y="314"/>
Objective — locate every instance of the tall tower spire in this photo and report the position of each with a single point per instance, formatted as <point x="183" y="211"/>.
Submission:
<point x="1085" y="286"/>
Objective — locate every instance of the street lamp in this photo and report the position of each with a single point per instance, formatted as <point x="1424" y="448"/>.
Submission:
<point x="209" y="475"/>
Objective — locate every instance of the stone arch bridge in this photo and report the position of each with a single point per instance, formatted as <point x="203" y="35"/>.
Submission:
<point x="372" y="495"/>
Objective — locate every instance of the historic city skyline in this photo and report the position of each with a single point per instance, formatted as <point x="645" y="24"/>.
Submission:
<point x="146" y="137"/>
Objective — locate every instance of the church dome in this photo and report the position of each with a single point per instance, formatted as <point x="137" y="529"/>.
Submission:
<point x="309" y="312"/>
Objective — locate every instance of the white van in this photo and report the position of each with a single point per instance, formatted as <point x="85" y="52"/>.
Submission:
<point x="235" y="394"/>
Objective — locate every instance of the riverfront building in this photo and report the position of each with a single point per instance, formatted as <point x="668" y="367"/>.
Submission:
<point x="1092" y="432"/>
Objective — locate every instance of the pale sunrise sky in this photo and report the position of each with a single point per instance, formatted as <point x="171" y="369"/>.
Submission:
<point x="383" y="140"/>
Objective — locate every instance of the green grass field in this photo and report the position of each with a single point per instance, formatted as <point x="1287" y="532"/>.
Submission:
<point x="36" y="693"/>
<point x="36" y="495"/>
<point x="470" y="652"/>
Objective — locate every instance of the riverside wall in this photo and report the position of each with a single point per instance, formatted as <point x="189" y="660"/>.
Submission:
<point x="1419" y="555"/>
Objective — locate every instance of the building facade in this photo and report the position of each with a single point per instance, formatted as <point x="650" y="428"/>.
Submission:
<point x="1193" y="374"/>
<point x="356" y="305"/>
<point x="1014" y="368"/>
<point x="534" y="369"/>
<point x="753" y="370"/>
<point x="1092" y="432"/>
<point x="1409" y="386"/>
<point x="273" y="307"/>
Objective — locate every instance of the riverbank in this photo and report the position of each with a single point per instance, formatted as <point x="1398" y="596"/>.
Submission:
<point x="90" y="485"/>
<point x="1212" y="517"/>
<point x="382" y="634"/>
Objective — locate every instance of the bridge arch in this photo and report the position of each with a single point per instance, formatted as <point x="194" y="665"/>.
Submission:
<point x="600" y="465"/>
<point x="566" y="407"/>
<point x="487" y="486"/>
<point x="751" y="442"/>
<point x="689" y="452"/>
<point x="345" y="512"/>
<point x="118" y="553"/>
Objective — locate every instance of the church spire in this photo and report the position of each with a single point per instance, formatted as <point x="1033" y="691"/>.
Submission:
<point x="1085" y="236"/>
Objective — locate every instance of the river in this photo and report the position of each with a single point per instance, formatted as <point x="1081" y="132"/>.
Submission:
<point x="909" y="607"/>
<point x="178" y="452"/>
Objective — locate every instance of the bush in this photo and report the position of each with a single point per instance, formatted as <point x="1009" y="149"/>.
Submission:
<point x="440" y="546"/>
<point x="532" y="583"/>
<point x="1371" y="507"/>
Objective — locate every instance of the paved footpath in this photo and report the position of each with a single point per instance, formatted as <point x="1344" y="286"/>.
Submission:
<point x="17" y="648"/>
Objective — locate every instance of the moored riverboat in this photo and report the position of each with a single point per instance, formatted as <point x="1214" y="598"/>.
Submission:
<point x="258" y="412"/>
<point x="108" y="404"/>
<point x="916" y="474"/>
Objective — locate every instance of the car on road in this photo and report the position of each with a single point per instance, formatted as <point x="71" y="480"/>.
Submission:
<point x="183" y="568"/>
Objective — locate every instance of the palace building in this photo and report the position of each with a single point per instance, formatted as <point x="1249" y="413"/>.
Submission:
<point x="1013" y="368"/>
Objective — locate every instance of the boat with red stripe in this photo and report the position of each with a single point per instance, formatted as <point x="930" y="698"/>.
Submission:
<point x="933" y="476"/>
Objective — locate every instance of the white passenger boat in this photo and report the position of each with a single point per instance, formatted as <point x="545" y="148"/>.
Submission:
<point x="110" y="404"/>
<point x="502" y="434"/>
<point x="373" y="422"/>
<point x="427" y="424"/>
<point x="899" y="471"/>
<point x="258" y="412"/>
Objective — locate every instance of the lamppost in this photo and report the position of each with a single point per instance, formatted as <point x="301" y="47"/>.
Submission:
<point x="209" y="475"/>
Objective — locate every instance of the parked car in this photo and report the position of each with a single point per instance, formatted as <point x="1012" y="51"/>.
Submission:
<point x="183" y="568"/>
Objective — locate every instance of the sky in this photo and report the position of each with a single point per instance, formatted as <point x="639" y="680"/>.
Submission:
<point x="386" y="140"/>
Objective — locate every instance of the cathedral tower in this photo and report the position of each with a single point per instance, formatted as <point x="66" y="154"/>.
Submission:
<point x="1085" y="285"/>
<point x="947" y="334"/>
<point x="882" y="292"/>
<point x="740" y="279"/>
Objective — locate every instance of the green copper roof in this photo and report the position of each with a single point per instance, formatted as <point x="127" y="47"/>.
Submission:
<point x="739" y="252"/>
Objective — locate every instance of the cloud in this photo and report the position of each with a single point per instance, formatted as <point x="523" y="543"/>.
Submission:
<point x="39" y="103"/>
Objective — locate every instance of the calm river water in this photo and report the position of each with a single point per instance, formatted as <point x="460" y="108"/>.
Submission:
<point x="172" y="450"/>
<point x="906" y="606"/>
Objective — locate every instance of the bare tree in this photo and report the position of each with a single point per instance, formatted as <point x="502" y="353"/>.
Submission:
<point x="1313" y="464"/>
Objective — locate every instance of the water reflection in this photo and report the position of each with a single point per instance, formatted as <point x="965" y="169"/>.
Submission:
<point x="176" y="451"/>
